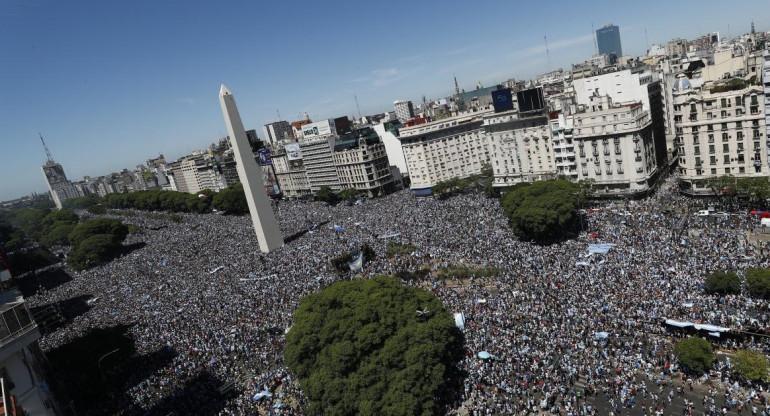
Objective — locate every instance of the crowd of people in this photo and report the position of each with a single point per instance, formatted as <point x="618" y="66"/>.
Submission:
<point x="566" y="332"/>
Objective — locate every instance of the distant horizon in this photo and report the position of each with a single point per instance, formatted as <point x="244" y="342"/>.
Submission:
<point x="110" y="86"/>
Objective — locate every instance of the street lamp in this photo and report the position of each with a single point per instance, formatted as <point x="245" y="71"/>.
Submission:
<point x="99" y="363"/>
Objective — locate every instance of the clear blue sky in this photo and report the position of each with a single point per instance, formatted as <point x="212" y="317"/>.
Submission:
<point x="113" y="83"/>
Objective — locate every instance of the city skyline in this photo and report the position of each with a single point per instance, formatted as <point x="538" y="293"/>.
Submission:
<point x="111" y="87"/>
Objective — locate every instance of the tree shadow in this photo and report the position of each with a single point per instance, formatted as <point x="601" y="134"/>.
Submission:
<point x="451" y="395"/>
<point x="24" y="261"/>
<point x="96" y="370"/>
<point x="48" y="279"/>
<point x="198" y="396"/>
<point x="128" y="248"/>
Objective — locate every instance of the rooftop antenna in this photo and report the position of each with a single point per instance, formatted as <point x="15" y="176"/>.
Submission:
<point x="646" y="41"/>
<point x="47" y="152"/>
<point x="357" y="106"/>
<point x="547" y="54"/>
<point x="593" y="35"/>
<point x="279" y="114"/>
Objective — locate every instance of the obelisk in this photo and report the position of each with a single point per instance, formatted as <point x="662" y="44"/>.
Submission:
<point x="265" y="224"/>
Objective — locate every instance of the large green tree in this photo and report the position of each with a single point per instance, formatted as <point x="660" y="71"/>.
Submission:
<point x="373" y="347"/>
<point x="751" y="365"/>
<point x="758" y="282"/>
<point x="112" y="227"/>
<point x="695" y="354"/>
<point x="231" y="200"/>
<point x="723" y="282"/>
<point x="95" y="242"/>
<point x="327" y="195"/>
<point x="93" y="251"/>
<point x="543" y="210"/>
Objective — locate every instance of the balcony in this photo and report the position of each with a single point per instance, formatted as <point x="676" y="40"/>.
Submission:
<point x="15" y="323"/>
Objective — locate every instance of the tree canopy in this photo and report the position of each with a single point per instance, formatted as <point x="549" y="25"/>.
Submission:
<point x="157" y="200"/>
<point x="95" y="242"/>
<point x="231" y="200"/>
<point x="695" y="354"/>
<point x="758" y="283"/>
<point x="543" y="210"/>
<point x="751" y="365"/>
<point x="723" y="282"/>
<point x="326" y="194"/>
<point x="362" y="348"/>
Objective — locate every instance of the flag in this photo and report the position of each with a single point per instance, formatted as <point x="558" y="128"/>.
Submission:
<point x="357" y="264"/>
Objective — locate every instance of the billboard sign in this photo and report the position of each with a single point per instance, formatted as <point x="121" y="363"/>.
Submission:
<point x="320" y="128"/>
<point x="342" y="125"/>
<point x="270" y="181"/>
<point x="530" y="100"/>
<point x="264" y="157"/>
<point x="293" y="152"/>
<point x="502" y="100"/>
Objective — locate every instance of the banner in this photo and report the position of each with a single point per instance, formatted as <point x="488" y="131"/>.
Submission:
<point x="264" y="157"/>
<point x="357" y="264"/>
<point x="293" y="152"/>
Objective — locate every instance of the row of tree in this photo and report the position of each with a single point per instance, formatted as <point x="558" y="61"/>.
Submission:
<point x="697" y="357"/>
<point x="482" y="181"/>
<point x="231" y="200"/>
<point x="92" y="242"/>
<point x="727" y="282"/>
<point x="731" y="190"/>
<point x="327" y="194"/>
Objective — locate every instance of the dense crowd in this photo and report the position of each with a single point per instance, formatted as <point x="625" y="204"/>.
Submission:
<point x="567" y="332"/>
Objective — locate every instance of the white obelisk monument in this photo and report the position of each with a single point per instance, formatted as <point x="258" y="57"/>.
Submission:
<point x="265" y="224"/>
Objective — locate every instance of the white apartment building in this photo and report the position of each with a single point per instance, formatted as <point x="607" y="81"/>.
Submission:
<point x="453" y="147"/>
<point x="615" y="147"/>
<point x="630" y="86"/>
<point x="719" y="133"/>
<point x="404" y="110"/>
<point x="291" y="175"/>
<point x="319" y="163"/>
<point x="520" y="148"/>
<point x="362" y="164"/>
<point x="766" y="82"/>
<point x="562" y="135"/>
<point x="194" y="174"/>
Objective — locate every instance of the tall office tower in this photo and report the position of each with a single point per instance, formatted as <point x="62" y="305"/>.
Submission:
<point x="404" y="110"/>
<point x="277" y="131"/>
<point x="608" y="39"/>
<point x="265" y="224"/>
<point x="60" y="188"/>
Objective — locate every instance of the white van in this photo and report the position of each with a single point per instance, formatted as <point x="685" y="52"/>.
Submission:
<point x="765" y="222"/>
<point x="703" y="213"/>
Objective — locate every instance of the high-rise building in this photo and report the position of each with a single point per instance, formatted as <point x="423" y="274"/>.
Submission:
<point x="608" y="40"/>
<point x="60" y="188"/>
<point x="277" y="131"/>
<point x="719" y="132"/>
<point x="454" y="147"/>
<point x="362" y="162"/>
<point x="404" y="110"/>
